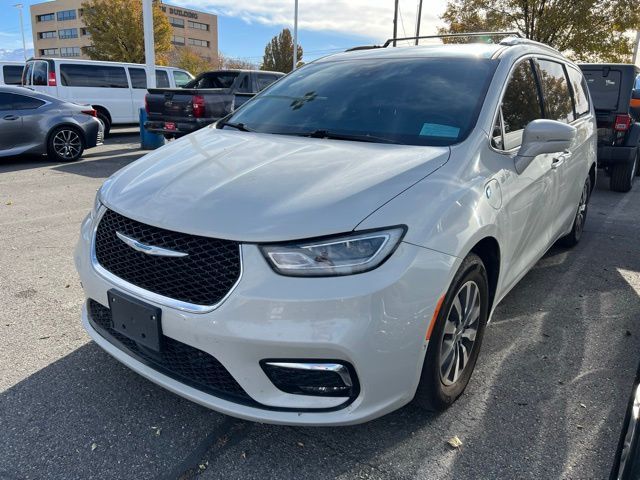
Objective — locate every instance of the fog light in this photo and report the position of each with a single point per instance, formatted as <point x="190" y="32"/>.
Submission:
<point x="326" y="379"/>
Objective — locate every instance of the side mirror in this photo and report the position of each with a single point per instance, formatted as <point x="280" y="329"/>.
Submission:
<point x="543" y="136"/>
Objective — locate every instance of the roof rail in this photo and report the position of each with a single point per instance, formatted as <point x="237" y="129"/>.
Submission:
<point x="362" y="47"/>
<point x="512" y="41"/>
<point x="453" y="35"/>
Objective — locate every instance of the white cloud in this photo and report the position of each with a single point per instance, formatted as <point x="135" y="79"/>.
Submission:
<point x="372" y="19"/>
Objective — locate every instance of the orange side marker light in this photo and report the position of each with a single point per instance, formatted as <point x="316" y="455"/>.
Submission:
<point x="435" y="316"/>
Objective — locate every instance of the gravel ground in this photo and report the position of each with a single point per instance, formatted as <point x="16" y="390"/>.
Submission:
<point x="546" y="400"/>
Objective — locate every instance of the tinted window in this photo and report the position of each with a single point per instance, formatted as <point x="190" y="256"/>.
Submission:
<point x="12" y="74"/>
<point x="40" y="73"/>
<point x="244" y="86"/>
<point x="520" y="105"/>
<point x="555" y="90"/>
<point x="10" y="101"/>
<point x="604" y="89"/>
<point x="580" y="92"/>
<point x="93" y="76"/>
<point x="265" y="80"/>
<point x="162" y="79"/>
<point x="637" y="86"/>
<point x="26" y="74"/>
<point x="414" y="101"/>
<point x="181" y="78"/>
<point x="214" y="80"/>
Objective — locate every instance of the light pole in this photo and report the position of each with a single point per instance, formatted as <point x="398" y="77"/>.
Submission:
<point x="635" y="48"/>
<point x="418" y="19"/>
<point x="149" y="50"/>
<point x="295" y="36"/>
<point x="24" y="45"/>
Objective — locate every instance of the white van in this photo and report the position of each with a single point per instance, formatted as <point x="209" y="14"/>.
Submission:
<point x="11" y="73"/>
<point x="115" y="90"/>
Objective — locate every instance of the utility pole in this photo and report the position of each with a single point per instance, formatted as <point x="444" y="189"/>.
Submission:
<point x="295" y="36"/>
<point x="395" y="23"/>
<point x="418" y="20"/>
<point x="149" y="45"/>
<point x="24" y="45"/>
<point x="635" y="48"/>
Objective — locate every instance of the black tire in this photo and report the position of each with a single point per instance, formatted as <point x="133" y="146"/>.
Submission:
<point x="574" y="236"/>
<point x="434" y="392"/>
<point x="623" y="175"/>
<point x="65" y="144"/>
<point x="638" y="162"/>
<point x="104" y="118"/>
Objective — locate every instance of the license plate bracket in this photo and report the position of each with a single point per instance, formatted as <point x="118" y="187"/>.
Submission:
<point x="136" y="320"/>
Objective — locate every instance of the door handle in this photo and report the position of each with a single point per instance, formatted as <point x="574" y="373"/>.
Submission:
<point x="10" y="117"/>
<point x="560" y="159"/>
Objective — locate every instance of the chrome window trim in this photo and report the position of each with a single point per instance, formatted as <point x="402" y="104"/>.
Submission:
<point x="146" y="294"/>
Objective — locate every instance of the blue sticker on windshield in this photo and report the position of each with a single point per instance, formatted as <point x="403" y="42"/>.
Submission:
<point x="438" y="130"/>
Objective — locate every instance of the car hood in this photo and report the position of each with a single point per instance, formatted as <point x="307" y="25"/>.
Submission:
<point x="261" y="187"/>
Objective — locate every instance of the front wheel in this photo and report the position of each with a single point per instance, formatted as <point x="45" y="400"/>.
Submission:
<point x="65" y="144"/>
<point x="574" y="236"/>
<point x="456" y="338"/>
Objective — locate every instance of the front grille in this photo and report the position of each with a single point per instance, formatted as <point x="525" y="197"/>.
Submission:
<point x="176" y="360"/>
<point x="203" y="277"/>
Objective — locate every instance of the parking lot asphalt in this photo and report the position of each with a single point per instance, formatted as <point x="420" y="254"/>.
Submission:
<point x="546" y="401"/>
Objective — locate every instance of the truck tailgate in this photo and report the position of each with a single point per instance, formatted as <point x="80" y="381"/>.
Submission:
<point x="176" y="104"/>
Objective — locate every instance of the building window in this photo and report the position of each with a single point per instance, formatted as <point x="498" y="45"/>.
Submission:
<point x="199" y="43"/>
<point x="68" y="33"/>
<point x="48" y="51"/>
<point x="47" y="17"/>
<point x="176" y="40"/>
<point x="176" y="22"/>
<point x="198" y="25"/>
<point x="66" y="15"/>
<point x="70" y="51"/>
<point x="51" y="34"/>
<point x="84" y="32"/>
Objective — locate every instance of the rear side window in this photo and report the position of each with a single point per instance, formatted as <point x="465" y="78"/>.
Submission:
<point x="139" y="78"/>
<point x="604" y="88"/>
<point x="40" y="73"/>
<point x="520" y="105"/>
<point x="162" y="79"/>
<point x="97" y="76"/>
<point x="555" y="90"/>
<point x="181" y="78"/>
<point x="12" y="101"/>
<point x="580" y="92"/>
<point x="264" y="80"/>
<point x="12" y="74"/>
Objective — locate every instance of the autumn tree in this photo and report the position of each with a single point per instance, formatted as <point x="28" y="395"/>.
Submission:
<point x="583" y="29"/>
<point x="190" y="60"/>
<point x="116" y="31"/>
<point x="278" y="54"/>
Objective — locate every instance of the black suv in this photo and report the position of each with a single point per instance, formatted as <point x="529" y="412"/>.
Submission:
<point x="616" y="99"/>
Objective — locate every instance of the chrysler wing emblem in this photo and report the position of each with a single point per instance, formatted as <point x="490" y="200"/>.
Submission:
<point x="149" y="249"/>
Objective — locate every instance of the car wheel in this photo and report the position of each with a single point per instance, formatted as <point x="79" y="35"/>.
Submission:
<point x="572" y="239"/>
<point x="638" y="162"/>
<point x="65" y="144"/>
<point x="623" y="175"/>
<point x="456" y="337"/>
<point x="105" y="121"/>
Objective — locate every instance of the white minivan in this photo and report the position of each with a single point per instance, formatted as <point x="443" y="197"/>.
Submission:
<point x="115" y="90"/>
<point x="11" y="73"/>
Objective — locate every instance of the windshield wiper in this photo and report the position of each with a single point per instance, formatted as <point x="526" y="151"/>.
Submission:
<point x="365" y="137"/>
<point x="238" y="126"/>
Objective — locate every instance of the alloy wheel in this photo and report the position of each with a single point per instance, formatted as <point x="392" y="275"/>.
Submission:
<point x="460" y="332"/>
<point x="67" y="144"/>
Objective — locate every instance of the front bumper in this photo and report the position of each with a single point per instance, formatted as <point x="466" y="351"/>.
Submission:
<point x="375" y="321"/>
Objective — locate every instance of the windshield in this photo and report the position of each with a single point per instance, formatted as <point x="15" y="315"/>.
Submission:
<point x="213" y="80"/>
<point x="412" y="101"/>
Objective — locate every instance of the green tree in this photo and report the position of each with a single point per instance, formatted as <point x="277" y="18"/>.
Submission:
<point x="116" y="31"/>
<point x="583" y="29"/>
<point x="278" y="54"/>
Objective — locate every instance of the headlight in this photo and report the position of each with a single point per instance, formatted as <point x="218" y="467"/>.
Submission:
<point x="340" y="255"/>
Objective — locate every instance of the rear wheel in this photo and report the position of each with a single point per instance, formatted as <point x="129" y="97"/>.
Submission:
<point x="623" y="175"/>
<point x="457" y="335"/>
<point x="572" y="239"/>
<point x="65" y="144"/>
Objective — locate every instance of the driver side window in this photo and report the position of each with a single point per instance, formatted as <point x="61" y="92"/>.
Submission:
<point x="520" y="105"/>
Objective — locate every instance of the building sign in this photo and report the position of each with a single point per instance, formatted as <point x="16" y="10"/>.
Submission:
<point x="179" y="12"/>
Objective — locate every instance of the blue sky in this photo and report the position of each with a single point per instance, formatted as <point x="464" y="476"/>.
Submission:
<point x="245" y="26"/>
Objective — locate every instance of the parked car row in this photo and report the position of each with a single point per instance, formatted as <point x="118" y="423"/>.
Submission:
<point x="334" y="248"/>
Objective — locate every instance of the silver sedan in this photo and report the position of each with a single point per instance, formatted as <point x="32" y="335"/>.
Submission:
<point x="36" y="123"/>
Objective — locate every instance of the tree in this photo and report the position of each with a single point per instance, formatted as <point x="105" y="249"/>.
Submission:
<point x="230" y="63"/>
<point x="278" y="54"/>
<point x="583" y="29"/>
<point x="116" y="31"/>
<point x="190" y="60"/>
